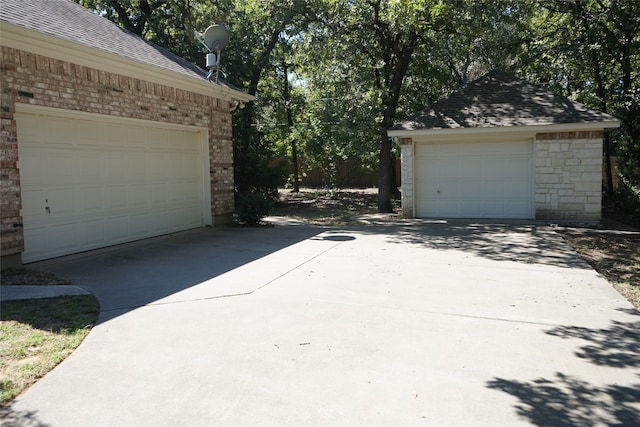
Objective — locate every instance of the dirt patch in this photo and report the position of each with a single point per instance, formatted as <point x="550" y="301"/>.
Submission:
<point x="329" y="207"/>
<point x="615" y="255"/>
<point x="24" y="276"/>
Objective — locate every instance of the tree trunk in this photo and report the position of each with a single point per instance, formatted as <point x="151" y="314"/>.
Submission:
<point x="289" y="113"/>
<point x="294" y="159"/>
<point x="384" y="169"/>
<point x="395" y="192"/>
<point x="600" y="90"/>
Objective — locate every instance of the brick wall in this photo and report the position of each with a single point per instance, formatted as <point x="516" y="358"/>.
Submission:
<point x="568" y="175"/>
<point x="38" y="80"/>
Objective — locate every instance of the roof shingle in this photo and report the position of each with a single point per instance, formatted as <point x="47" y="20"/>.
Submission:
<point x="72" y="22"/>
<point x="498" y="99"/>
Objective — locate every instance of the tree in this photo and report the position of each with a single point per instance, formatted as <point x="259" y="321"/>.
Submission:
<point x="589" y="50"/>
<point x="167" y="23"/>
<point x="378" y="39"/>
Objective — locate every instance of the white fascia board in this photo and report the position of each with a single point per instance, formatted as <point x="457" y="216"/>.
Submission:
<point x="21" y="38"/>
<point x="564" y="127"/>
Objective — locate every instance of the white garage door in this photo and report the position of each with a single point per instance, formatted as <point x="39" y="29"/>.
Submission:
<point x="474" y="180"/>
<point x="88" y="183"/>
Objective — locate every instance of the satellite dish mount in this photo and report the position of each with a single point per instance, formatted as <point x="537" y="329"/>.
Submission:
<point x="214" y="39"/>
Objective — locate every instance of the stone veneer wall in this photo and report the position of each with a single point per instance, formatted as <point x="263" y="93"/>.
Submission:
<point x="568" y="176"/>
<point x="406" y="160"/>
<point x="38" y="80"/>
<point x="568" y="170"/>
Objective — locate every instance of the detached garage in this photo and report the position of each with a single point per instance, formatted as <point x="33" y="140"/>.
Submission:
<point x="106" y="138"/>
<point x="502" y="148"/>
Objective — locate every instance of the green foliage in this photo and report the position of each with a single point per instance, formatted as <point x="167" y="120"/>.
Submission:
<point x="589" y="50"/>
<point x="627" y="197"/>
<point x="252" y="206"/>
<point x="333" y="75"/>
<point x="36" y="335"/>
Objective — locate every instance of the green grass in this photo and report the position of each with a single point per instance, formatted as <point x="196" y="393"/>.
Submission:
<point x="36" y="335"/>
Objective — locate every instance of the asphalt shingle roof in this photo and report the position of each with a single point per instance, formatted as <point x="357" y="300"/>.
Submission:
<point x="70" y="21"/>
<point x="499" y="99"/>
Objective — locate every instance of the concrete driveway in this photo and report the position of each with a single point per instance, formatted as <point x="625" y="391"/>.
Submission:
<point x="408" y="323"/>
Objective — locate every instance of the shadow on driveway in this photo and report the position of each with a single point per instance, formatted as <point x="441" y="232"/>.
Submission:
<point x="572" y="402"/>
<point x="509" y="241"/>
<point x="129" y="276"/>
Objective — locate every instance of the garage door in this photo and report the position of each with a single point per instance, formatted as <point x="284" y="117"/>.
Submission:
<point x="474" y="180"/>
<point x="89" y="183"/>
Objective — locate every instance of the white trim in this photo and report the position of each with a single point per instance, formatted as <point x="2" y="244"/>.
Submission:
<point x="413" y="179"/>
<point x="530" y="129"/>
<point x="533" y="180"/>
<point x="76" y="114"/>
<point x="21" y="38"/>
<point x="207" y="206"/>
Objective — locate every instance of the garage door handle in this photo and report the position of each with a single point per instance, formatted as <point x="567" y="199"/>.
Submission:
<point x="48" y="209"/>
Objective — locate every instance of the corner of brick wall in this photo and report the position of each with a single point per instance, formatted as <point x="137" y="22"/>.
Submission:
<point x="568" y="176"/>
<point x="11" y="236"/>
<point x="38" y="80"/>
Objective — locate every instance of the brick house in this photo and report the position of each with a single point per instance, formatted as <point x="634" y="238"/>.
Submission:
<point x="503" y="148"/>
<point x="105" y="138"/>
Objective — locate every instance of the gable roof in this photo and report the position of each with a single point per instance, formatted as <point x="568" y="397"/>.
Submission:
<point x="498" y="99"/>
<point x="71" y="22"/>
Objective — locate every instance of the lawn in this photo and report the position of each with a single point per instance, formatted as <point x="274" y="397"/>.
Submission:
<point x="36" y="335"/>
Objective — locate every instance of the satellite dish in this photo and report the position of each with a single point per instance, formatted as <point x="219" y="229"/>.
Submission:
<point x="215" y="38"/>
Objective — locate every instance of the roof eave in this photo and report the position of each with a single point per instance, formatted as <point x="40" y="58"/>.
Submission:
<point x="560" y="127"/>
<point x="17" y="37"/>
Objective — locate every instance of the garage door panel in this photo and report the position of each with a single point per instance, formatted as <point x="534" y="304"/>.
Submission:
<point x="186" y="216"/>
<point x="470" y="187"/>
<point x="92" y="233"/>
<point x="494" y="168"/>
<point x="469" y="206"/>
<point x="60" y="165"/>
<point x="90" y="199"/>
<point x="34" y="162"/>
<point x="105" y="183"/>
<point x="157" y="164"/>
<point x="472" y="169"/>
<point x="115" y="196"/>
<point x="61" y="202"/>
<point x="114" y="165"/>
<point x="136" y="137"/>
<point x="474" y="179"/>
<point x="137" y="167"/>
<point x="115" y="139"/>
<point x="59" y="131"/>
<point x="158" y="194"/>
<point x="37" y="241"/>
<point x="89" y="168"/>
<point x="491" y="209"/>
<point x="517" y="188"/>
<point x="117" y="228"/>
<point x="190" y="192"/>
<point x="33" y="205"/>
<point x="63" y="238"/>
